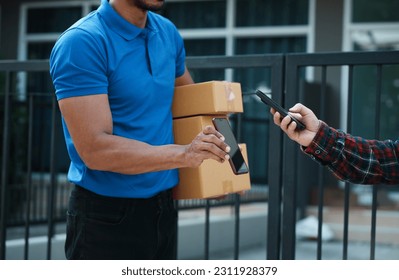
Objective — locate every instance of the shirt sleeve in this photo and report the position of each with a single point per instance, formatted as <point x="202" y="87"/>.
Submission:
<point x="180" y="55"/>
<point x="78" y="65"/>
<point x="355" y="159"/>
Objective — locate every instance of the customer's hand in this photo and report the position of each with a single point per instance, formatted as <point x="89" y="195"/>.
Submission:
<point x="306" y="116"/>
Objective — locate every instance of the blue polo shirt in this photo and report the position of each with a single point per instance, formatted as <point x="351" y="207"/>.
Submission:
<point x="104" y="54"/>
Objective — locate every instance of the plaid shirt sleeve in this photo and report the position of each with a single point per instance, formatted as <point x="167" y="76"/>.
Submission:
<point x="355" y="159"/>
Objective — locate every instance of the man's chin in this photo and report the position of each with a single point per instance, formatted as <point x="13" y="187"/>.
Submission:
<point x="154" y="6"/>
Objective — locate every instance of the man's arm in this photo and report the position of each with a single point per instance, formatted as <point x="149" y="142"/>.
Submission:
<point x="89" y="122"/>
<point x="350" y="158"/>
<point x="184" y="79"/>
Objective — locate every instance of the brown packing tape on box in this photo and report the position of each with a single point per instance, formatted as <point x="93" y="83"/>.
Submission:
<point x="207" y="98"/>
<point x="211" y="178"/>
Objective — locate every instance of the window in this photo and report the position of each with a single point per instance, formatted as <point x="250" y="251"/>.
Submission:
<point x="209" y="27"/>
<point x="241" y="27"/>
<point x="48" y="20"/>
<point x="375" y="11"/>
<point x="200" y="47"/>
<point x="42" y="23"/>
<point x="271" y="13"/>
<point x="196" y="14"/>
<point x="373" y="26"/>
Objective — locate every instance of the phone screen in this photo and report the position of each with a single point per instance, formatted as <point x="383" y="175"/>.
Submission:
<point x="237" y="161"/>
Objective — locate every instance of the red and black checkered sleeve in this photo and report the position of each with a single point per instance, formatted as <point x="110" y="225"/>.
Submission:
<point x="356" y="159"/>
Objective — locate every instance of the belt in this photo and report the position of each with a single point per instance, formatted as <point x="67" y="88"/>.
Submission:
<point x="166" y="194"/>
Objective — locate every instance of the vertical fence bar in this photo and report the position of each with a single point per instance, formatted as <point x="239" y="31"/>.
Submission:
<point x="321" y="173"/>
<point x="290" y="167"/>
<point x="377" y="136"/>
<point x="236" y="226"/>
<point x="29" y="176"/>
<point x="275" y="166"/>
<point x="373" y="223"/>
<point x="237" y="201"/>
<point x="4" y="168"/>
<point x="207" y="229"/>
<point x="53" y="184"/>
<point x="176" y="203"/>
<point x="347" y="185"/>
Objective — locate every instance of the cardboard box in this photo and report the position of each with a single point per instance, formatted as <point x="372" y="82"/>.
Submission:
<point x="211" y="178"/>
<point x="208" y="98"/>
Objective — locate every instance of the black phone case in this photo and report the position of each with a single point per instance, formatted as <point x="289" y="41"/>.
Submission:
<point x="236" y="160"/>
<point x="283" y="112"/>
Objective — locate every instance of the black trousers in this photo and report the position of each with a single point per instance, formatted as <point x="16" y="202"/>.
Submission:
<point x="100" y="227"/>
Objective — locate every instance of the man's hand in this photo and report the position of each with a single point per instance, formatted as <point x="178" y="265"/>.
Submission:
<point x="208" y="144"/>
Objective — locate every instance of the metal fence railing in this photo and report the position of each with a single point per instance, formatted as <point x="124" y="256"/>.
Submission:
<point x="355" y="79"/>
<point x="34" y="188"/>
<point x="34" y="160"/>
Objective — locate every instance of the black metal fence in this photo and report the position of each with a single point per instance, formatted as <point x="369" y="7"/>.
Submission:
<point x="34" y="188"/>
<point x="362" y="77"/>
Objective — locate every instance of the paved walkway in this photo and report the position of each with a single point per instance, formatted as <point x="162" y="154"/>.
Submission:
<point x="387" y="236"/>
<point x="307" y="250"/>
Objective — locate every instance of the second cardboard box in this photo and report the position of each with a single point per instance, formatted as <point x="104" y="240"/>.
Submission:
<point x="211" y="178"/>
